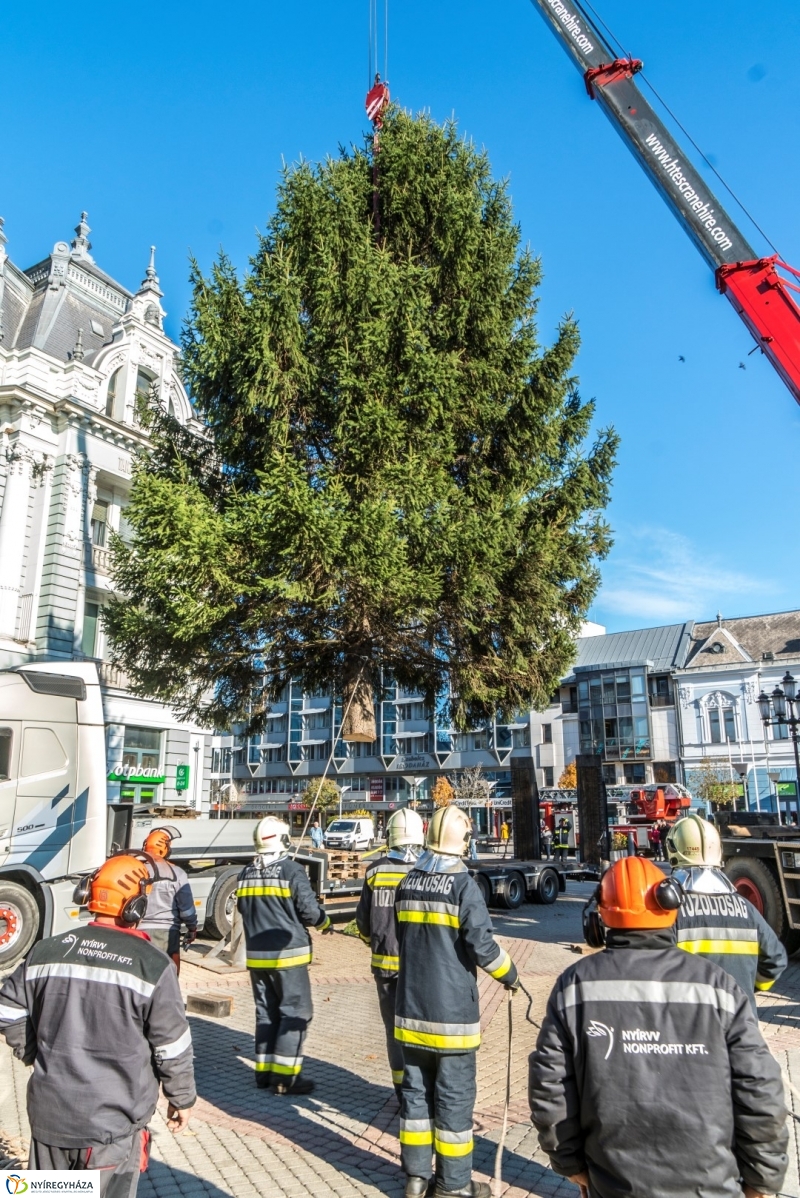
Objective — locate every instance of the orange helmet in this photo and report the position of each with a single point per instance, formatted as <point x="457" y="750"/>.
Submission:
<point x="159" y="841"/>
<point x="119" y="888"/>
<point x="635" y="894"/>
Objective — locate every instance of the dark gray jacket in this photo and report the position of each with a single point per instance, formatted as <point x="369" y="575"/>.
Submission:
<point x="99" y="1014"/>
<point x="444" y="932"/>
<point x="375" y="914"/>
<point x="650" y="1072"/>
<point x="724" y="928"/>
<point x="277" y="904"/>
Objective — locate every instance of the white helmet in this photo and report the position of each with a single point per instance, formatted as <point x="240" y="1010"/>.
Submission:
<point x="404" y="827"/>
<point x="693" y="841"/>
<point x="271" y="837"/>
<point x="449" y="831"/>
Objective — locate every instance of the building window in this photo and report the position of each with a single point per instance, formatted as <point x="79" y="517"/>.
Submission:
<point x="144" y="384"/>
<point x="780" y="731"/>
<point x="317" y="720"/>
<point x="91" y="620"/>
<point x="665" y="771"/>
<point x="659" y="687"/>
<point x="610" y="775"/>
<point x="220" y="761"/>
<point x="634" y="774"/>
<point x="521" y="737"/>
<point x="99" y="524"/>
<point x="412" y="711"/>
<point x="548" y="775"/>
<point x="111" y="393"/>
<point x="722" y="725"/>
<point x="142" y="748"/>
<point x="547" y="734"/>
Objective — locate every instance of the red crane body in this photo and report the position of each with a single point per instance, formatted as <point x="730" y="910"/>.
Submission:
<point x="759" y="294"/>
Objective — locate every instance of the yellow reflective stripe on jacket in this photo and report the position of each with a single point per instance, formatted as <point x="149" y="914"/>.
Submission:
<point x="452" y="1143"/>
<point x="326" y="923"/>
<point x="748" y="948"/>
<point x="498" y="971"/>
<point x="380" y="962"/>
<point x="433" y="1040"/>
<point x="278" y="962"/>
<point x="764" y="985"/>
<point x="273" y="890"/>
<point x="438" y="917"/>
<point x="384" y="878"/>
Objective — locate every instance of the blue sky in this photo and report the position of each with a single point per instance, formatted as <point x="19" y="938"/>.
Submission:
<point x="169" y="124"/>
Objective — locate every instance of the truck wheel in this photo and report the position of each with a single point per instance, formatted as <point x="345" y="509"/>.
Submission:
<point x="513" y="892"/>
<point x="485" y="887"/>
<point x="547" y="887"/>
<point x="756" y="882"/>
<point x="19" y="922"/>
<point x="219" y="918"/>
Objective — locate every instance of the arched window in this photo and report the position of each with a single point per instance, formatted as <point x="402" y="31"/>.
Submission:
<point x="144" y="384"/>
<point x="111" y="393"/>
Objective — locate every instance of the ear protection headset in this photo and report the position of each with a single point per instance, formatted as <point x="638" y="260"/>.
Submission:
<point x="668" y="895"/>
<point x="134" y="909"/>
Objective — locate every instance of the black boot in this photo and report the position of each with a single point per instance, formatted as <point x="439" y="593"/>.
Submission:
<point x="295" y="1085"/>
<point x="263" y="1081"/>
<point x="416" y="1187"/>
<point x="473" y="1189"/>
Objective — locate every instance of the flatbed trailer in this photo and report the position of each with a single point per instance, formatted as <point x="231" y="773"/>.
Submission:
<point x="762" y="859"/>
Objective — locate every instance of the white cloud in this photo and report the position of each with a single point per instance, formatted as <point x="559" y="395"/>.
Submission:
<point x="655" y="575"/>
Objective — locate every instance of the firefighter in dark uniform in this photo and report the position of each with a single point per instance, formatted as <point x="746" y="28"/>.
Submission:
<point x="561" y="840"/>
<point x="277" y="906"/>
<point x="98" y="1013"/>
<point x="444" y="931"/>
<point x="376" y="923"/>
<point x="650" y="1075"/>
<point x="714" y="921"/>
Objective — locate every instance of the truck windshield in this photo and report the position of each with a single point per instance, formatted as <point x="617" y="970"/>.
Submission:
<point x="342" y="825"/>
<point x="5" y="753"/>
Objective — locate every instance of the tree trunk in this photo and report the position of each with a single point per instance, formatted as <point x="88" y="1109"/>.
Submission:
<point x="358" y="706"/>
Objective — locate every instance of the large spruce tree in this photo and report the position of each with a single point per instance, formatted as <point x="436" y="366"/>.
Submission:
<point x="396" y="474"/>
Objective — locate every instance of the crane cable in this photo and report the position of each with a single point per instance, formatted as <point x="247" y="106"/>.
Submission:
<point x="375" y="67"/>
<point x="616" y="42"/>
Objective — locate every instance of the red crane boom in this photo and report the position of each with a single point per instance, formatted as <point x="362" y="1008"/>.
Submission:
<point x="761" y="296"/>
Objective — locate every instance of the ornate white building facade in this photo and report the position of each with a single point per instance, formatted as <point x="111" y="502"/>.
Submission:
<point x="77" y="351"/>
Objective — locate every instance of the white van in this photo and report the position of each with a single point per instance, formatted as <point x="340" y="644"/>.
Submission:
<point x="352" y="834"/>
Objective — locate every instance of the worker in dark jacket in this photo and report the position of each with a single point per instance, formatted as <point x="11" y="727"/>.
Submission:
<point x="650" y="1076"/>
<point x="376" y="923"/>
<point x="277" y="905"/>
<point x="98" y="1013"/>
<point x="170" y="902"/>
<point x="444" y="932"/>
<point x="561" y="840"/>
<point x="714" y="920"/>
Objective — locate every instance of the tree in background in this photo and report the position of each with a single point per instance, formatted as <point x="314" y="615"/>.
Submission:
<point x="470" y="786"/>
<point x="396" y="475"/>
<point x="324" y="793"/>
<point x="569" y="777"/>
<point x="712" y="783"/>
<point x="442" y="793"/>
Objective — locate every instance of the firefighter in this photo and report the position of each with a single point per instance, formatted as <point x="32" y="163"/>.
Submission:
<point x="98" y="1013"/>
<point x="170" y="902"/>
<point x="444" y="931"/>
<point x="561" y="840"/>
<point x="650" y="1075"/>
<point x="376" y="923"/>
<point x="277" y="906"/>
<point x="714" y="920"/>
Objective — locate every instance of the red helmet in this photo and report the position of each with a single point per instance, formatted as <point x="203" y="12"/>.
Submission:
<point x="635" y="894"/>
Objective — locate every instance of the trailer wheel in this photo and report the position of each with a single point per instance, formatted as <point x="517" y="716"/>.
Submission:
<point x="485" y="887"/>
<point x="219" y="917"/>
<point x="513" y="893"/>
<point x="756" y="882"/>
<point x="547" y="887"/>
<point x="19" y="922"/>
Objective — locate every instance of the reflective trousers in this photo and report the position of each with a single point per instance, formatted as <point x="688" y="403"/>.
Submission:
<point x="283" y="1013"/>
<point x="119" y="1162"/>
<point x="436" y="1108"/>
<point x="387" y="988"/>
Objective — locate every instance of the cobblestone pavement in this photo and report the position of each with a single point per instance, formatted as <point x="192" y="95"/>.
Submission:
<point x="341" y="1142"/>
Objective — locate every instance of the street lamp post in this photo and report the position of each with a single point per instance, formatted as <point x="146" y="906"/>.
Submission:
<point x="782" y="708"/>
